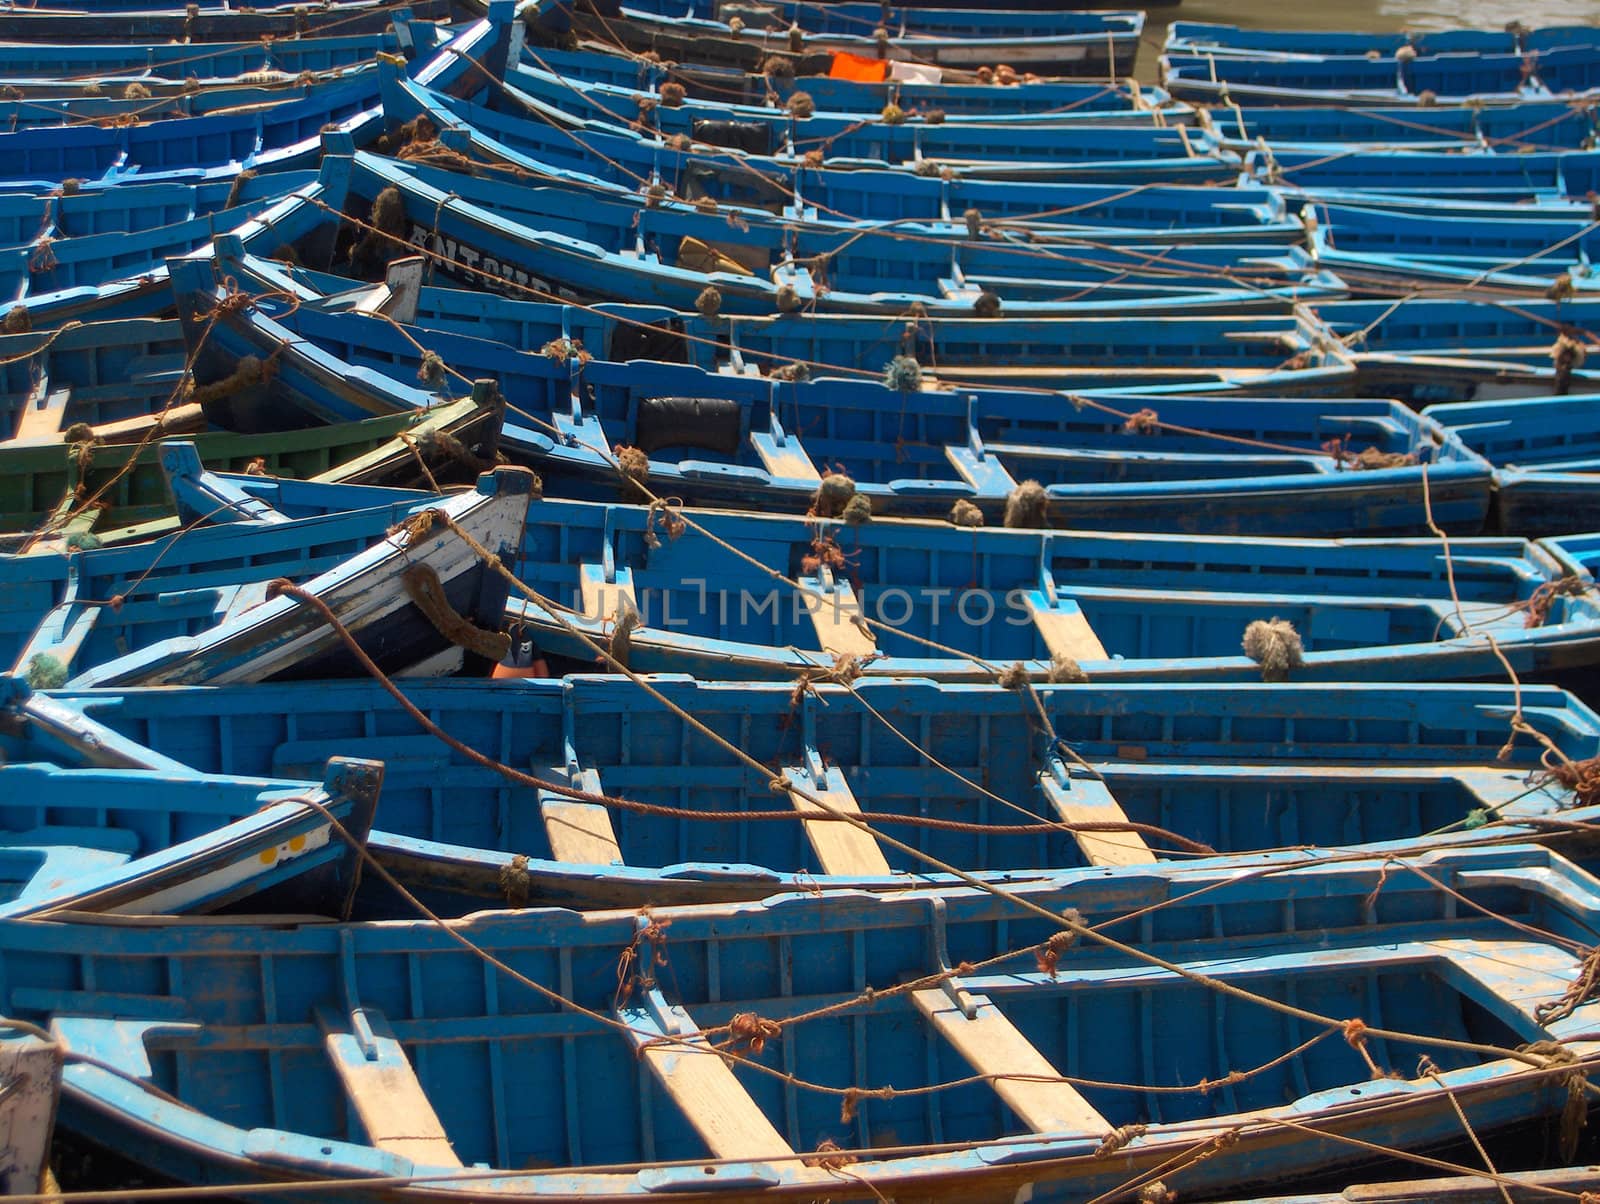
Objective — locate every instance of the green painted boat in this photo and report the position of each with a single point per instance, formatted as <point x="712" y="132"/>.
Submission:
<point x="98" y="493"/>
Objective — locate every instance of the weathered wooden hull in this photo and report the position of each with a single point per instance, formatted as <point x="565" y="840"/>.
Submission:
<point x="314" y="997"/>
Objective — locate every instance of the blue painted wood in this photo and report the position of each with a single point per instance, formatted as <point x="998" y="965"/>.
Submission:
<point x="1356" y="79"/>
<point x="566" y="416"/>
<point x="1546" y="452"/>
<point x="225" y="1018"/>
<point x="1162" y="607"/>
<point x="1242" y="768"/>
<point x="690" y="32"/>
<point x="1427" y="351"/>
<point x="262" y="636"/>
<point x="956" y="99"/>
<point x="180" y="585"/>
<point x="93" y="823"/>
<point x="153" y="62"/>
<point x="1234" y="41"/>
<point x="127" y="23"/>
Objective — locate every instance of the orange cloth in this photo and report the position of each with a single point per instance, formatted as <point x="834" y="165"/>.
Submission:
<point x="859" y="68"/>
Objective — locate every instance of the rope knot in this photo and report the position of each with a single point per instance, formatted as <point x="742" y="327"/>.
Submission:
<point x="514" y="880"/>
<point x="1014" y="676"/>
<point x="751" y="1032"/>
<point x="1275" y="645"/>
<point x="1117" y="1139"/>
<point x="1048" y="955"/>
<point x="1142" y="422"/>
<point x="853" y="1097"/>
<point x="834" y="1158"/>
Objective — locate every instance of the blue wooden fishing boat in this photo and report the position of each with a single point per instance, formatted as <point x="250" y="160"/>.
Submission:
<point x="854" y="17"/>
<point x="1103" y="45"/>
<point x="966" y="98"/>
<point x="278" y="1052"/>
<point x="846" y="140"/>
<point x="1539" y="125"/>
<point x="1192" y="462"/>
<point x="1210" y="38"/>
<point x="1425" y="350"/>
<point x="1469" y="175"/>
<point x="106" y="239"/>
<point x="155" y="63"/>
<point x="1132" y="775"/>
<point x="605" y="160"/>
<point x="613" y="146"/>
<point x="521" y="240"/>
<point x="68" y="24"/>
<point x="96" y="492"/>
<point x="1281" y="355"/>
<point x="94" y="823"/>
<point x="178" y="841"/>
<point x="418" y="601"/>
<point x="767" y="596"/>
<point x="1545" y="454"/>
<point x="1358" y="80"/>
<point x="174" y="582"/>
<point x="89" y="151"/>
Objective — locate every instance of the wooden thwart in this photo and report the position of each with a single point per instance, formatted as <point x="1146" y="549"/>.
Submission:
<point x="731" y="1124"/>
<point x="1087" y="800"/>
<point x="383" y="1089"/>
<point x="841" y="848"/>
<point x="991" y="1044"/>
<point x="41" y="417"/>
<point x="833" y="612"/>
<point x="601" y="598"/>
<point x="1065" y="629"/>
<point x="579" y="833"/>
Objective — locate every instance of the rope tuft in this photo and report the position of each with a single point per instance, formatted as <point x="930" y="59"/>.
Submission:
<point x="933" y="117"/>
<point x="966" y="514"/>
<point x="833" y="1158"/>
<point x="903" y="373"/>
<point x="709" y="302"/>
<point x="634" y="465"/>
<point x="833" y="494"/>
<point x="988" y="305"/>
<point x="1157" y="1193"/>
<point x="892" y="114"/>
<point x="673" y="94"/>
<point x="1117" y="1139"/>
<point x="1142" y="422"/>
<point x="750" y="1032"/>
<point x="1048" y="955"/>
<point x="801" y="105"/>
<point x="432" y="370"/>
<point x="788" y="299"/>
<point x="514" y="881"/>
<point x="1025" y="505"/>
<point x="17" y="320"/>
<point x="1066" y="670"/>
<point x="974" y="220"/>
<point x="1014" y="676"/>
<point x="858" y="510"/>
<point x="1566" y="355"/>
<point x="797" y="371"/>
<point x="1275" y="645"/>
